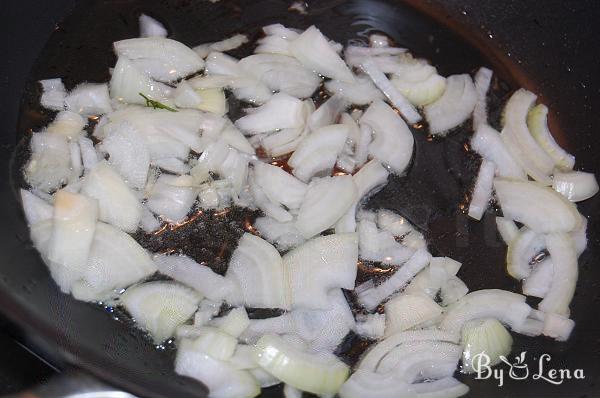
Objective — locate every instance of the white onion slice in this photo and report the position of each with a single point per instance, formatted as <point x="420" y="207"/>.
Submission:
<point x="279" y="186"/>
<point x="380" y="246"/>
<point x="319" y="265"/>
<point x="172" y="197"/>
<point x="454" y="106"/>
<point x="197" y="276"/>
<point x="159" y="307"/>
<point x="393" y="143"/>
<point x="283" y="235"/>
<point x="281" y="111"/>
<point x="484" y="304"/>
<point x="539" y="281"/>
<point x="49" y="166"/>
<point x="435" y="278"/>
<point x="127" y="82"/>
<point x="564" y="258"/>
<point x="485" y="336"/>
<point x="314" y="51"/>
<point x="163" y="59"/>
<point x="53" y="94"/>
<point x="150" y="27"/>
<point x="67" y="123"/>
<point x="575" y="185"/>
<point x="316" y="373"/>
<point x="256" y="267"/>
<point x="421" y="93"/>
<point x="482" y="192"/>
<point x="36" y="209"/>
<point x="521" y="250"/>
<point x="74" y="223"/>
<point x="407" y="311"/>
<point x="318" y="151"/>
<point x="488" y="143"/>
<point x="557" y="327"/>
<point x="326" y="201"/>
<point x="538" y="126"/>
<point x="370" y="325"/>
<point x="507" y="228"/>
<point x="453" y="290"/>
<point x="231" y="43"/>
<point x="361" y="92"/>
<point x="89" y="155"/>
<point x="538" y="207"/>
<point x="389" y="90"/>
<point x="172" y="165"/>
<point x="234" y="323"/>
<point x="483" y="79"/>
<point x="272" y="210"/>
<point x="393" y="223"/>
<point x="117" y="203"/>
<point x="372" y="297"/>
<point x="89" y="99"/>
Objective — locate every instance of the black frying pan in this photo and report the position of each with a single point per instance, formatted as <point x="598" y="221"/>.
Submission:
<point x="549" y="47"/>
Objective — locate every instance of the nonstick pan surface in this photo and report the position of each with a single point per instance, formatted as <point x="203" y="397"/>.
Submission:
<point x="548" y="47"/>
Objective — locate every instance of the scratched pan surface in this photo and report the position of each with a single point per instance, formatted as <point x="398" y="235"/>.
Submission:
<point x="431" y="195"/>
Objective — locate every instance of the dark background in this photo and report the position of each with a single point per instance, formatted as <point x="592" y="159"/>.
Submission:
<point x="555" y="42"/>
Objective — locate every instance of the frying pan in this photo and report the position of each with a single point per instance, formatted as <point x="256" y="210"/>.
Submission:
<point x="549" y="47"/>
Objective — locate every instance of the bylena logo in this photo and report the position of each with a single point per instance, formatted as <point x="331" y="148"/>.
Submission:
<point x="519" y="370"/>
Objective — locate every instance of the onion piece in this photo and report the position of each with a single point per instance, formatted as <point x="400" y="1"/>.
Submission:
<point x="393" y="143"/>
<point x="393" y="223"/>
<point x="361" y="92"/>
<point x="281" y="111"/>
<point x="564" y="258"/>
<point x="159" y="307"/>
<point x="289" y="391"/>
<point x="49" y="166"/>
<point x="538" y="127"/>
<point x="370" y="325"/>
<point x="521" y="250"/>
<point x="372" y="297"/>
<point x="318" y="151"/>
<point x="162" y="59"/>
<point x="256" y="267"/>
<point x="507" y="228"/>
<point x="538" y="207"/>
<point x="454" y="106"/>
<point x="234" y="323"/>
<point x="150" y="27"/>
<point x="575" y="185"/>
<point x="231" y="43"/>
<point x="453" y="290"/>
<point x="89" y="155"/>
<point x="36" y="209"/>
<point x="67" y="123"/>
<point x="127" y="82"/>
<point x="407" y="311"/>
<point x="314" y="51"/>
<point x="53" y="94"/>
<point x="172" y="165"/>
<point x="539" y="281"/>
<point x="327" y="200"/>
<point x="172" y="197"/>
<point x="484" y="304"/>
<point x="214" y="342"/>
<point x="434" y="277"/>
<point x="207" y="310"/>
<point x="488" y="143"/>
<point x="389" y="90"/>
<point x="279" y="186"/>
<point x="117" y="203"/>
<point x="283" y="235"/>
<point x="74" y="223"/>
<point x="482" y="192"/>
<point x="380" y="246"/>
<point x="483" y="79"/>
<point x="316" y="373"/>
<point x="421" y="93"/>
<point x="319" y="265"/>
<point x="148" y="223"/>
<point x="89" y="99"/>
<point x="557" y="327"/>
<point x="221" y="378"/>
<point x="484" y="336"/>
<point x="272" y="210"/>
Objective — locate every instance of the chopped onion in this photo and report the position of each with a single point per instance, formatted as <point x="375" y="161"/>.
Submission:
<point x="538" y="126"/>
<point x="163" y="59"/>
<point x="117" y="203"/>
<point x="393" y="223"/>
<point x="53" y="94"/>
<point x="407" y="311"/>
<point x="49" y="165"/>
<point x="172" y="197"/>
<point x="221" y="378"/>
<point x="507" y="228"/>
<point x="389" y="90"/>
<point x="564" y="258"/>
<point x="484" y="304"/>
<point x="36" y="209"/>
<point x="393" y="143"/>
<point x="484" y="336"/>
<point x="207" y="310"/>
<point x="328" y="113"/>
<point x="319" y="265"/>
<point x="159" y="307"/>
<point x="214" y="342"/>
<point x="361" y="92"/>
<point x="418" y="81"/>
<point x="283" y="235"/>
<point x="272" y="210"/>
<point x="288" y="390"/>
<point x="172" y="165"/>
<point x="575" y="185"/>
<point x="318" y="151"/>
<point x="521" y="250"/>
<point x="372" y="297"/>
<point x="279" y="186"/>
<point x="482" y="193"/>
<point x="557" y="327"/>
<point x="150" y="27"/>
<point x="534" y="160"/>
<point x="89" y="155"/>
<point x="483" y="79"/>
<point x="380" y="246"/>
<point x="256" y="267"/>
<point x="371" y="325"/>
<point x="488" y="143"/>
<point x="539" y="281"/>
<point x="67" y="123"/>
<point x="89" y="99"/>
<point x="231" y="43"/>
<point x="280" y="112"/>
<point x="127" y="82"/>
<point x="327" y="200"/>
<point x="318" y="373"/>
<point x="313" y="50"/>
<point x="454" y="106"/>
<point x="234" y="323"/>
<point x="74" y="223"/>
<point x="148" y="223"/>
<point x="538" y="207"/>
<point x="453" y="290"/>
